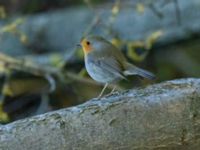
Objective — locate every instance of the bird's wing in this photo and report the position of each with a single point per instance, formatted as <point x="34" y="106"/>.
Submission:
<point x="133" y="70"/>
<point x="110" y="64"/>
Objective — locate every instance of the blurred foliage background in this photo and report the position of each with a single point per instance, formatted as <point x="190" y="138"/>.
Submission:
<point x="41" y="69"/>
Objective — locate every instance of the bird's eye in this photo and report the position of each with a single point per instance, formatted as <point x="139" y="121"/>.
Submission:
<point x="88" y="43"/>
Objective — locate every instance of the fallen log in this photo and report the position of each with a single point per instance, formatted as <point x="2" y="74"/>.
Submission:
<point x="160" y="116"/>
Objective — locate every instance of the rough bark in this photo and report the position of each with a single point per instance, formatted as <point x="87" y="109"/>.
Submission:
<point x="160" y="116"/>
<point x="61" y="30"/>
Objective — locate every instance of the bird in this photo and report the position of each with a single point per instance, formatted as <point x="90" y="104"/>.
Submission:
<point x="106" y="64"/>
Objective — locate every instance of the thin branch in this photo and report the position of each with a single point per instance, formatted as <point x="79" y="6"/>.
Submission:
<point x="178" y="12"/>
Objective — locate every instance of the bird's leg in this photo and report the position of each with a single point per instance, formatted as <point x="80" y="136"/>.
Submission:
<point x="102" y="91"/>
<point x="113" y="89"/>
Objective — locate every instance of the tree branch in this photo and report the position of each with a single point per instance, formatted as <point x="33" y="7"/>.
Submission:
<point x="161" y="116"/>
<point x="65" y="27"/>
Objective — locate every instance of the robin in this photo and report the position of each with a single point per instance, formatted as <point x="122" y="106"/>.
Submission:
<point x="106" y="64"/>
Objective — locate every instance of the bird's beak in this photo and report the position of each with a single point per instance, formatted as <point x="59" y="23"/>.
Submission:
<point x="78" y="45"/>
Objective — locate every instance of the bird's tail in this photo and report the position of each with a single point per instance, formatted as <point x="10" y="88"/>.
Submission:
<point x="133" y="70"/>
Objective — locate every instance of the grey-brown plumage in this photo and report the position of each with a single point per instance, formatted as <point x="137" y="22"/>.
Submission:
<point x="106" y="64"/>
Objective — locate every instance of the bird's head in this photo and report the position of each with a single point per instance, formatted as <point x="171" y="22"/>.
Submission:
<point x="92" y="43"/>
